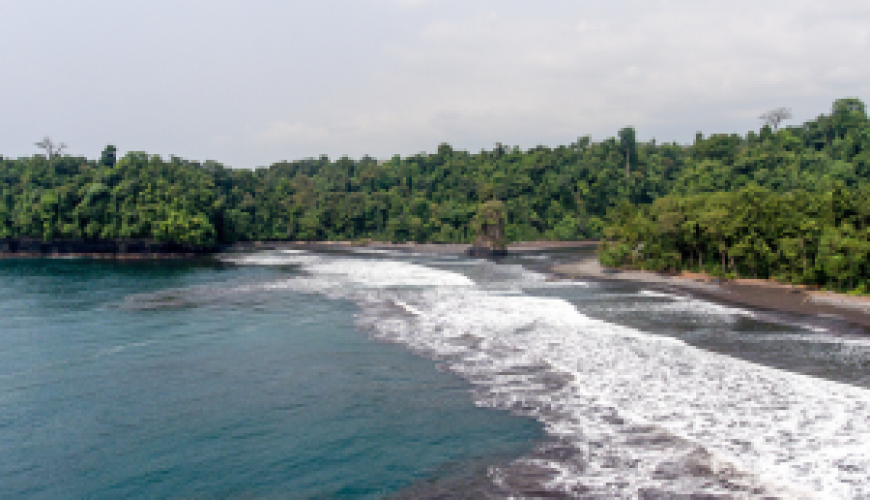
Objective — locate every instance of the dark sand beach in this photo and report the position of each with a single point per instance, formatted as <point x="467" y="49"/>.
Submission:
<point x="759" y="294"/>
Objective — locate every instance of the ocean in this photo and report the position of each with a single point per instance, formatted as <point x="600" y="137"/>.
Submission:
<point x="363" y="373"/>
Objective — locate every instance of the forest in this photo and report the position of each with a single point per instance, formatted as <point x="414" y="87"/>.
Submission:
<point x="793" y="206"/>
<point x="788" y="203"/>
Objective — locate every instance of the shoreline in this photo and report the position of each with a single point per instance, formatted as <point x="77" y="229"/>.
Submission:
<point x="433" y="248"/>
<point x="151" y="250"/>
<point x="758" y="294"/>
<point x="121" y="249"/>
<point x="102" y="256"/>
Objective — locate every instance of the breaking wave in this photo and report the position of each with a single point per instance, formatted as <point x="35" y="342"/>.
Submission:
<point x="630" y="414"/>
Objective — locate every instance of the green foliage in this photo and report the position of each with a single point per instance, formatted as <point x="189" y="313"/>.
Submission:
<point x="138" y="197"/>
<point x="107" y="158"/>
<point x="488" y="224"/>
<point x="785" y="203"/>
<point x="819" y="238"/>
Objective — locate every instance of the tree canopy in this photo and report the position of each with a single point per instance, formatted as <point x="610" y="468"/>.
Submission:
<point x="763" y="202"/>
<point x="792" y="205"/>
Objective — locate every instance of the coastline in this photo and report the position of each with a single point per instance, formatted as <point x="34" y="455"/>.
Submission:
<point x="33" y="248"/>
<point x="148" y="250"/>
<point x="759" y="294"/>
<point x="100" y="256"/>
<point x="433" y="248"/>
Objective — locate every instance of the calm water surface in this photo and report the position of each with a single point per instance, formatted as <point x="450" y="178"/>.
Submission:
<point x="105" y="394"/>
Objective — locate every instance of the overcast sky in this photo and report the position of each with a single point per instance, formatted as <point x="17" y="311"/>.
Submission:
<point x="248" y="83"/>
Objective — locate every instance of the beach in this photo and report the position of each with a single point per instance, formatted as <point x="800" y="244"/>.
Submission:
<point x="760" y="294"/>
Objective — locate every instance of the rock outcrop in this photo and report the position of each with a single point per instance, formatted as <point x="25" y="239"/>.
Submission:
<point x="489" y="225"/>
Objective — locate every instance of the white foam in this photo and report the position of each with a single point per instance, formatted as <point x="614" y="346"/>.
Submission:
<point x="373" y="251"/>
<point x="559" y="284"/>
<point x="403" y="253"/>
<point x="383" y="273"/>
<point x="653" y="293"/>
<point x="754" y="424"/>
<point x="788" y="428"/>
<point x="407" y="307"/>
<point x="817" y="329"/>
<point x="281" y="258"/>
<point x="821" y="338"/>
<point x="535" y="257"/>
<point x="367" y="272"/>
<point x="696" y="309"/>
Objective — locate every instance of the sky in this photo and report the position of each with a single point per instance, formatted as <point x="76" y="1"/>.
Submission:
<point x="249" y="83"/>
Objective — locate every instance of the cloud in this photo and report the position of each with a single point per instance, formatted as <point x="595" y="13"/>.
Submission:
<point x="411" y="4"/>
<point x="274" y="80"/>
<point x="599" y="70"/>
<point x="281" y="131"/>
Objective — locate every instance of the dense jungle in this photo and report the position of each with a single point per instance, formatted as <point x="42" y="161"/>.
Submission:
<point x="787" y="202"/>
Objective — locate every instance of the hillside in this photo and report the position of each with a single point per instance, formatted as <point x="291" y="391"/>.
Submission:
<point x="561" y="193"/>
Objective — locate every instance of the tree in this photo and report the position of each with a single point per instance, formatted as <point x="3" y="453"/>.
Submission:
<point x="107" y="158"/>
<point x="52" y="150"/>
<point x="628" y="145"/>
<point x="489" y="227"/>
<point x="775" y="116"/>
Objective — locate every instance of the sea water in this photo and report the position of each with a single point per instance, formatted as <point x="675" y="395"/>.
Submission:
<point x="158" y="380"/>
<point x="293" y="373"/>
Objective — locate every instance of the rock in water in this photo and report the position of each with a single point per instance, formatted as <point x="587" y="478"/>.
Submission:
<point x="489" y="225"/>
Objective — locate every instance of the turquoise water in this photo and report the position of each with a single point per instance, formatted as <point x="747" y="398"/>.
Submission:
<point x="149" y="380"/>
<point x="316" y="373"/>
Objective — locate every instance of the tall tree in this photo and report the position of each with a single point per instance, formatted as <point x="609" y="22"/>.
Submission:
<point x="628" y="145"/>
<point x="107" y="158"/>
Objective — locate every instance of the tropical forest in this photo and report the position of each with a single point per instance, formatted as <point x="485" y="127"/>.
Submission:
<point x="789" y="203"/>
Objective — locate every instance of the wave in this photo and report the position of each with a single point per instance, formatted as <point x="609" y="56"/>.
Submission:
<point x="630" y="413"/>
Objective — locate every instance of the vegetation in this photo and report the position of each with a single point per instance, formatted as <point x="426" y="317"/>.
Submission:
<point x="790" y="203"/>
<point x="558" y="194"/>
<point x="488" y="226"/>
